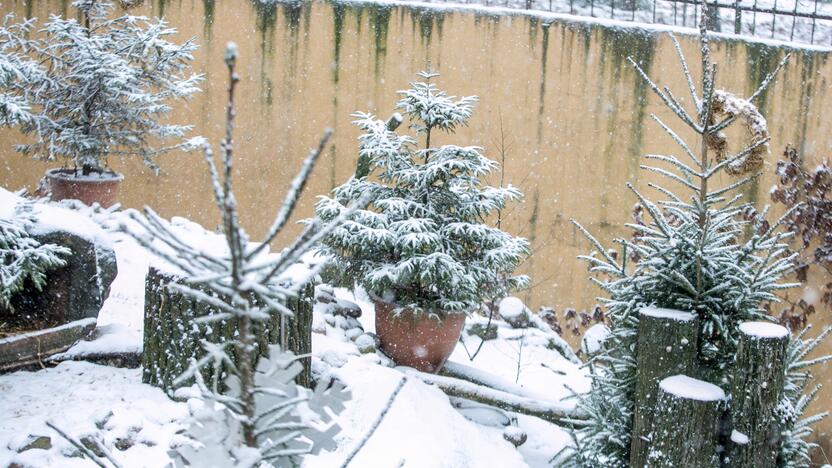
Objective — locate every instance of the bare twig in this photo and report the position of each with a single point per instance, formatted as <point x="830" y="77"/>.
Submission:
<point x="376" y="423"/>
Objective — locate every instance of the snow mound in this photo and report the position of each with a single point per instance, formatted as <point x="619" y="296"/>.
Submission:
<point x="764" y="330"/>
<point x="691" y="389"/>
<point x="593" y="338"/>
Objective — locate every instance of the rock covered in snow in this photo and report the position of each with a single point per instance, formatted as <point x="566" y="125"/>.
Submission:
<point x="483" y="330"/>
<point x="324" y="294"/>
<point x="366" y="343"/>
<point x="515" y="435"/>
<point x="78" y="289"/>
<point x="515" y="312"/>
<point x="346" y="308"/>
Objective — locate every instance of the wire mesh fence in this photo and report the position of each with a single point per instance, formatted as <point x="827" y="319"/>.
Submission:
<point x="800" y="21"/>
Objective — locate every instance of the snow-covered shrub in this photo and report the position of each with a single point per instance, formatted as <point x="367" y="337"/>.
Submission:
<point x="24" y="260"/>
<point x="423" y="240"/>
<point x="257" y="415"/>
<point x="695" y="251"/>
<point x="95" y="88"/>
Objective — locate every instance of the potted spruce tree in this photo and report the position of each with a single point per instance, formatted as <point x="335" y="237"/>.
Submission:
<point x="90" y="89"/>
<point x="422" y="248"/>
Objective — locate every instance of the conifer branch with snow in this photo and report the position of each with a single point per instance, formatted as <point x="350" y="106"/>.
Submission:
<point x="24" y="260"/>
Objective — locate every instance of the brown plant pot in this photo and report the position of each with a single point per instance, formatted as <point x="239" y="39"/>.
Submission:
<point x="417" y="341"/>
<point x="101" y="188"/>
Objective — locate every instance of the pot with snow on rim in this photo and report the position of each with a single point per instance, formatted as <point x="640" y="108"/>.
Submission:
<point x="96" y="187"/>
<point x="419" y="340"/>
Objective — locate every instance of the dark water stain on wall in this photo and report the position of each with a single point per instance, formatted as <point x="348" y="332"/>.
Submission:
<point x="208" y="19"/>
<point x="427" y="21"/>
<point x="620" y="46"/>
<point x="544" y="58"/>
<point x="266" y="25"/>
<point x="762" y="60"/>
<point x="533" y="23"/>
<point x="379" y="17"/>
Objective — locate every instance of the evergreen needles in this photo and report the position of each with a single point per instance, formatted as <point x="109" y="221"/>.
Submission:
<point x="423" y="240"/>
<point x="697" y="252"/>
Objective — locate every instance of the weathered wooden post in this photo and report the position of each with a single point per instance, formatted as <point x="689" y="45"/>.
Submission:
<point x="666" y="346"/>
<point x="173" y="336"/>
<point x="685" y="424"/>
<point x="757" y="388"/>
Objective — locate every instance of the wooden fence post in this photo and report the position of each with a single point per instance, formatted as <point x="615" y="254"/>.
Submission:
<point x="685" y="425"/>
<point x="757" y="388"/>
<point x="666" y="346"/>
<point x="172" y="337"/>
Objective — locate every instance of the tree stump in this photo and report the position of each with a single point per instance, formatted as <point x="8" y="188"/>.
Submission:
<point x="757" y="388"/>
<point x="666" y="346"/>
<point x="685" y="424"/>
<point x="172" y="336"/>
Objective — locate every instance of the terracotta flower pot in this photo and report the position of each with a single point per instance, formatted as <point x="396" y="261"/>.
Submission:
<point x="420" y="342"/>
<point x="67" y="184"/>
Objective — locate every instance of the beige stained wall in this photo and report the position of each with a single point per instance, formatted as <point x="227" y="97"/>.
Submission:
<point x="557" y="96"/>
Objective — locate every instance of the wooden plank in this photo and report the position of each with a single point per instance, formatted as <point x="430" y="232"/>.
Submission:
<point x="34" y="347"/>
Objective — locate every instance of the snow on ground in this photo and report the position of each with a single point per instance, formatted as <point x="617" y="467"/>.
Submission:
<point x="75" y="396"/>
<point x="422" y="428"/>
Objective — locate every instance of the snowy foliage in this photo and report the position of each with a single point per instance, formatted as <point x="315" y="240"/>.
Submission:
<point x="290" y="421"/>
<point x="24" y="259"/>
<point x="15" y="68"/>
<point x="794" y="451"/>
<point x="696" y="252"/>
<point x="264" y="416"/>
<point x="88" y="90"/>
<point x="423" y="240"/>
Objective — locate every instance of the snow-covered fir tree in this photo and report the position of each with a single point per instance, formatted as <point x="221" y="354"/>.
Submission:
<point x="696" y="251"/>
<point x="257" y="416"/>
<point x="95" y="88"/>
<point x="23" y="259"/>
<point x="423" y="241"/>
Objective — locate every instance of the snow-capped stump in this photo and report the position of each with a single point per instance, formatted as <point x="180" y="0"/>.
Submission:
<point x="515" y="312"/>
<point x="685" y="425"/>
<point x="515" y="435"/>
<point x="666" y="346"/>
<point x="757" y="386"/>
<point x="172" y="335"/>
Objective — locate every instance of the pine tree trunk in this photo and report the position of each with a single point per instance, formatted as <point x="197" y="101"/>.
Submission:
<point x="756" y="391"/>
<point x="685" y="426"/>
<point x="666" y="346"/>
<point x="172" y="337"/>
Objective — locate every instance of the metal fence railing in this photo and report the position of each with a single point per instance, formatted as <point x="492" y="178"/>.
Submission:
<point x="800" y="21"/>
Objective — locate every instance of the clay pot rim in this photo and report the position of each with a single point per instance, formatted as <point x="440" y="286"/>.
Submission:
<point x="66" y="174"/>
<point x="442" y="314"/>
